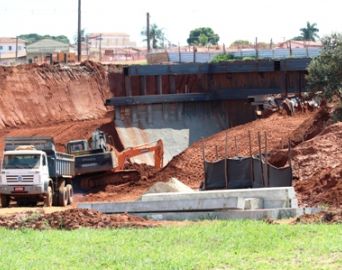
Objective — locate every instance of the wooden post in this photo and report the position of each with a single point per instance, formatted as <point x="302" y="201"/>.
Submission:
<point x="216" y="151"/>
<point x="226" y="160"/>
<point x="251" y="155"/>
<point x="289" y="153"/>
<point x="260" y="156"/>
<point x="204" y="167"/>
<point x="266" y="161"/>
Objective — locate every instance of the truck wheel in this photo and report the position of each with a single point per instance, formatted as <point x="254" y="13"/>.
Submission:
<point x="70" y="193"/>
<point x="62" y="195"/>
<point x="48" y="198"/>
<point x="5" y="201"/>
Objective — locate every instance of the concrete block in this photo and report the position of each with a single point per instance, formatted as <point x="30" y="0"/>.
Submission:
<point x="294" y="203"/>
<point x="253" y="203"/>
<point x="232" y="214"/>
<point x="279" y="193"/>
<point x="174" y="205"/>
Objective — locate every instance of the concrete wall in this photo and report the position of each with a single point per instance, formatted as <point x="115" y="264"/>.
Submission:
<point x="178" y="124"/>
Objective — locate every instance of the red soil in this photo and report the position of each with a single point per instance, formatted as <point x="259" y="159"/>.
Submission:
<point x="73" y="219"/>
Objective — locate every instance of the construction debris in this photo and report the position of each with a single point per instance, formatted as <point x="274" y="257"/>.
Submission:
<point x="73" y="219"/>
<point x="173" y="185"/>
<point x="334" y="216"/>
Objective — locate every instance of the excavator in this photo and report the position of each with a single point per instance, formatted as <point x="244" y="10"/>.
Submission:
<point x="98" y="163"/>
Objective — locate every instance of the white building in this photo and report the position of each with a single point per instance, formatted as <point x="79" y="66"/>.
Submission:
<point x="9" y="50"/>
<point x="110" y="40"/>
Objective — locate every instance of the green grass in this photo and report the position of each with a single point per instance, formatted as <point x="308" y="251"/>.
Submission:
<point x="203" y="245"/>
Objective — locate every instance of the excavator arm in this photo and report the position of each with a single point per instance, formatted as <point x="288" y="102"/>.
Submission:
<point x="156" y="148"/>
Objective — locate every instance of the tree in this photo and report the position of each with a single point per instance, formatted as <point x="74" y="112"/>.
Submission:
<point x="241" y="44"/>
<point x="156" y="35"/>
<point x="31" y="38"/>
<point x="308" y="33"/>
<point x="203" y="36"/>
<point x="325" y="71"/>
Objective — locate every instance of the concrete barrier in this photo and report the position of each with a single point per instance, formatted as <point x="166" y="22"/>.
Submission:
<point x="281" y="193"/>
<point x="259" y="214"/>
<point x="175" y="205"/>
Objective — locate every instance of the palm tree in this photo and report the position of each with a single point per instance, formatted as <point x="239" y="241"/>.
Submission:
<point x="156" y="35"/>
<point x="309" y="32"/>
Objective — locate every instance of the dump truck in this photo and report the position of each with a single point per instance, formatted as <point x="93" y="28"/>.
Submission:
<point x="98" y="163"/>
<point x="32" y="170"/>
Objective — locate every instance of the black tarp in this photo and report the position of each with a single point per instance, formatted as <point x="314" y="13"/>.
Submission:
<point x="240" y="172"/>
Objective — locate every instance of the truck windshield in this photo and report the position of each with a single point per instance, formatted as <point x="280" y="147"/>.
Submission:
<point x="21" y="161"/>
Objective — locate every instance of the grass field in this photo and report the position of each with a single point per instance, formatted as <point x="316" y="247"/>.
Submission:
<point x="203" y="245"/>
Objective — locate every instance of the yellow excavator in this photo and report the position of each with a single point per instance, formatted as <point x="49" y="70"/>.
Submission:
<point x="98" y="163"/>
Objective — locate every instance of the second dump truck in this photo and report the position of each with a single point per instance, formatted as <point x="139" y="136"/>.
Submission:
<point x="32" y="170"/>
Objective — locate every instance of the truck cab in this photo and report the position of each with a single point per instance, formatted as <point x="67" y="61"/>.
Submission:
<point x="24" y="172"/>
<point x="32" y="170"/>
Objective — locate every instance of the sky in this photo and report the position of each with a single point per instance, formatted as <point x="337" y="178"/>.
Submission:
<point x="231" y="20"/>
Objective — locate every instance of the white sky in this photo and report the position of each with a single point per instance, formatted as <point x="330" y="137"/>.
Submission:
<point x="231" y="20"/>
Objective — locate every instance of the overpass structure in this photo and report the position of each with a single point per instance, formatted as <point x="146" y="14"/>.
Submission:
<point x="182" y="103"/>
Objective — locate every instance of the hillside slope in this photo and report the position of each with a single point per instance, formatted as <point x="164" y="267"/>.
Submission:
<point x="32" y="95"/>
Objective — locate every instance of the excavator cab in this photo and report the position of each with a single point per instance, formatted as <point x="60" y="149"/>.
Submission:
<point x="104" y="165"/>
<point x="77" y="146"/>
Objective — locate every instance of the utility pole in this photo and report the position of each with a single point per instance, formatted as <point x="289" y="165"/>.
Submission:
<point x="87" y="46"/>
<point x="256" y="48"/>
<point x="148" y="31"/>
<point x="100" y="49"/>
<point x="16" y="49"/>
<point x="79" y="51"/>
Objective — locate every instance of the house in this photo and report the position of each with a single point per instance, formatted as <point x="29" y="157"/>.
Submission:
<point x="113" y="47"/>
<point x="293" y="44"/>
<point x="110" y="40"/>
<point x="43" y="50"/>
<point x="12" y="50"/>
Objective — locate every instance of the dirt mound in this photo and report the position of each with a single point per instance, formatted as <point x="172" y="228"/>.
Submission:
<point x="33" y="95"/>
<point x="310" y="128"/>
<point x="188" y="166"/>
<point x="317" y="168"/>
<point x="73" y="219"/>
<point x="321" y="217"/>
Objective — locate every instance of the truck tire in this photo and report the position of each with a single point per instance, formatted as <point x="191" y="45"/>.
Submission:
<point x="62" y="195"/>
<point x="5" y="201"/>
<point x="48" y="198"/>
<point x="70" y="193"/>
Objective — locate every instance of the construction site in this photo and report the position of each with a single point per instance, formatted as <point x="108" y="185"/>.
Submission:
<point x="191" y="140"/>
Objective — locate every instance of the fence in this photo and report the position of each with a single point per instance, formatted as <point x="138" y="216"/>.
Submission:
<point x="205" y="57"/>
<point x="249" y="172"/>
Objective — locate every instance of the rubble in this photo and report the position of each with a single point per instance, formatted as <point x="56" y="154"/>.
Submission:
<point x="73" y="219"/>
<point x="173" y="185"/>
<point x="334" y="216"/>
